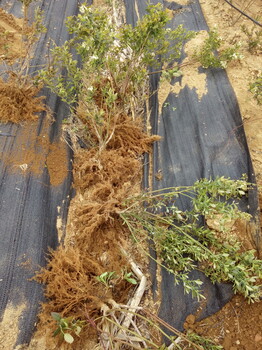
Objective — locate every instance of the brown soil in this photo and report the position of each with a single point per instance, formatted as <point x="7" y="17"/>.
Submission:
<point x="9" y="327"/>
<point x="236" y="327"/>
<point x="36" y="153"/>
<point x="11" y="32"/>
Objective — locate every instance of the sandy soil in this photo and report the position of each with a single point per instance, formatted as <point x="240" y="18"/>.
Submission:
<point x="11" y="29"/>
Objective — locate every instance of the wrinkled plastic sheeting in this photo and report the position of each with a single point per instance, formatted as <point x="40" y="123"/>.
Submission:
<point x="28" y="203"/>
<point x="200" y="139"/>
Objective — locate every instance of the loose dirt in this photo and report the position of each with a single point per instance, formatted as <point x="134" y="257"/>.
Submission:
<point x="37" y="153"/>
<point x="11" y="32"/>
<point x="237" y="326"/>
<point x="9" y="327"/>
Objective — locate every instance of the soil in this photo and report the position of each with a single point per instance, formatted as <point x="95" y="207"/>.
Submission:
<point x="36" y="154"/>
<point x="11" y="32"/>
<point x="237" y="326"/>
<point x="9" y="327"/>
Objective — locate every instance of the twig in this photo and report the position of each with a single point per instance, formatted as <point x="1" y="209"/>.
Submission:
<point x="135" y="301"/>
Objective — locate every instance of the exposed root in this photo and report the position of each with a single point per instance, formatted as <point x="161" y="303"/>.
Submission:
<point x="19" y="102"/>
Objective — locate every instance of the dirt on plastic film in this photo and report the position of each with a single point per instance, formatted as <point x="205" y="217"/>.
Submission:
<point x="9" y="327"/>
<point x="11" y="32"/>
<point x="190" y="74"/>
<point x="36" y="153"/>
<point x="241" y="73"/>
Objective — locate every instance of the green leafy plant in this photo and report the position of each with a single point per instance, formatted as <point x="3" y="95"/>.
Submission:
<point x="18" y="71"/>
<point x="208" y="56"/>
<point x="254" y="38"/>
<point x="106" y="278"/>
<point x="67" y="326"/>
<point x="184" y="242"/>
<point x="111" y="77"/>
<point x="26" y="4"/>
<point x="204" y="343"/>
<point x="101" y="72"/>
<point x="256" y="88"/>
<point x="129" y="277"/>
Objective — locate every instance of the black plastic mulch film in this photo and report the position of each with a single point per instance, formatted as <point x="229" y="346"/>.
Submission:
<point x="200" y="139"/>
<point x="28" y="203"/>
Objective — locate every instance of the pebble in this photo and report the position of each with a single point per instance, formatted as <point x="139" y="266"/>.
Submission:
<point x="258" y="337"/>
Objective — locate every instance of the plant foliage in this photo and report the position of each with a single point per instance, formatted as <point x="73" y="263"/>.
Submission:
<point x="256" y="88"/>
<point x="105" y="66"/>
<point x="211" y="55"/>
<point x="67" y="326"/>
<point x="184" y="241"/>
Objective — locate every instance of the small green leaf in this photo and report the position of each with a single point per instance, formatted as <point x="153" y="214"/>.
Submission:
<point x="56" y="332"/>
<point x="56" y="316"/>
<point x="78" y="330"/>
<point x="68" y="338"/>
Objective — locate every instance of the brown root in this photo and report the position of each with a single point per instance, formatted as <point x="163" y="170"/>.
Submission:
<point x="19" y="102"/>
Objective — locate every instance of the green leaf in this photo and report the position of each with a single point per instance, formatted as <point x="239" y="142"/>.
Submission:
<point x="78" y="330"/>
<point x="56" y="332"/>
<point x="131" y="280"/>
<point x="56" y="316"/>
<point x="68" y="338"/>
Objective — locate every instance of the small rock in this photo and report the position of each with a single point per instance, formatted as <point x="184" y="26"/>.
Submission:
<point x="237" y="342"/>
<point x="258" y="337"/>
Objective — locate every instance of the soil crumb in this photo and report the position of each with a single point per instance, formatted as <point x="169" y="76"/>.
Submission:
<point x="9" y="327"/>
